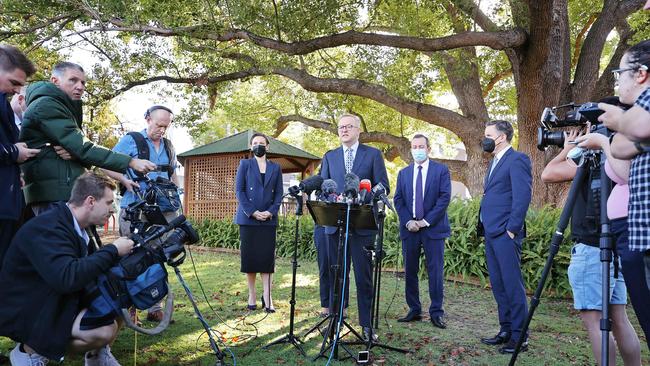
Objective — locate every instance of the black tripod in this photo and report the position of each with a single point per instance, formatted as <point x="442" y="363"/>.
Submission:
<point x="605" y="249"/>
<point x="291" y="338"/>
<point x="377" y="255"/>
<point x="206" y="326"/>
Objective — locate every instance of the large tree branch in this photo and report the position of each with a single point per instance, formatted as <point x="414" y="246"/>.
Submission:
<point x="470" y="8"/>
<point x="588" y="64"/>
<point x="68" y="17"/>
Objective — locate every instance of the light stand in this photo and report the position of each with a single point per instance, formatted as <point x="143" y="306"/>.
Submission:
<point x="291" y="338"/>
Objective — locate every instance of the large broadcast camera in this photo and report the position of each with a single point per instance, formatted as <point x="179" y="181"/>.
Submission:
<point x="140" y="279"/>
<point x="577" y="116"/>
<point x="148" y="223"/>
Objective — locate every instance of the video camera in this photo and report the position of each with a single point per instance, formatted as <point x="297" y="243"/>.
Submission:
<point x="148" y="223"/>
<point x="577" y="116"/>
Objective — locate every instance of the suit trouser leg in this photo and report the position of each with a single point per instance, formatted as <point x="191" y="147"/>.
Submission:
<point x="320" y="242"/>
<point x="434" y="250"/>
<point x="508" y="255"/>
<point x="363" y="276"/>
<point x="331" y="255"/>
<point x="411" y="253"/>
<point x="498" y="286"/>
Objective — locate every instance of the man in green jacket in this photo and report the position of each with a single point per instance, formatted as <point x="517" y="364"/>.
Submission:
<point x="52" y="123"/>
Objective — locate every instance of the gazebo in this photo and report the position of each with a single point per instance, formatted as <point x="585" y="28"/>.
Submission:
<point x="210" y="172"/>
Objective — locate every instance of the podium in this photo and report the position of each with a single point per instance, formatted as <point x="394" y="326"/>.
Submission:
<point x="346" y="217"/>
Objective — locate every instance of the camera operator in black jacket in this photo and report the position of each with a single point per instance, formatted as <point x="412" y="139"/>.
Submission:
<point x="47" y="267"/>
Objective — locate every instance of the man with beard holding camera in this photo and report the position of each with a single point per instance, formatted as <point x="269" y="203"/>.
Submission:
<point x="585" y="275"/>
<point x="46" y="270"/>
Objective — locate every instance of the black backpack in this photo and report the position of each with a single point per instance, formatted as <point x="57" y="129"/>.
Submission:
<point x="143" y="153"/>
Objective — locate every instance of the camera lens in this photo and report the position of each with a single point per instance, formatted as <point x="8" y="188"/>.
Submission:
<point x="547" y="138"/>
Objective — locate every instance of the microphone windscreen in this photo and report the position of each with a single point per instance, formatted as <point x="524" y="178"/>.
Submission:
<point x="329" y="186"/>
<point x="365" y="185"/>
<point x="311" y="184"/>
<point x="351" y="185"/>
<point x="379" y="189"/>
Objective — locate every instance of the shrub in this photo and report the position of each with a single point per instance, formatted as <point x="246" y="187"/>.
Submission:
<point x="464" y="251"/>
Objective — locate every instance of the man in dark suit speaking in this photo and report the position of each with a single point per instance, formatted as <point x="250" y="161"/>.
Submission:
<point x="506" y="196"/>
<point x="367" y="163"/>
<point x="421" y="199"/>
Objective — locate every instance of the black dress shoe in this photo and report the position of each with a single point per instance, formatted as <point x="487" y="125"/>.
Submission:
<point x="438" y="322"/>
<point x="410" y="317"/>
<point x="510" y="347"/>
<point x="368" y="333"/>
<point x="501" y="338"/>
<point x="251" y="307"/>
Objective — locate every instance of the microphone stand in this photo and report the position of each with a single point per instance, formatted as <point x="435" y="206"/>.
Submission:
<point x="291" y="337"/>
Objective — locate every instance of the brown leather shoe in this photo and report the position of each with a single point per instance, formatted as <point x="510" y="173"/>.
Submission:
<point x="155" y="316"/>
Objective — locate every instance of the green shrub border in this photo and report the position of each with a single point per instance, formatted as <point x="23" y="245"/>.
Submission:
<point x="464" y="251"/>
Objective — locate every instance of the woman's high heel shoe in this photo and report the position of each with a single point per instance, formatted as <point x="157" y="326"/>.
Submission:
<point x="268" y="310"/>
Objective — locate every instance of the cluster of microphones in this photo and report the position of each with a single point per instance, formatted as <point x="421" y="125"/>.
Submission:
<point x="354" y="191"/>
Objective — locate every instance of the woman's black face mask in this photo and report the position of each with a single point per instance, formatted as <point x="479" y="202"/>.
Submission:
<point x="259" y="150"/>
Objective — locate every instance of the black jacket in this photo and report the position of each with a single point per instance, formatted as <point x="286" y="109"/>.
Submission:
<point x="11" y="194"/>
<point x="42" y="280"/>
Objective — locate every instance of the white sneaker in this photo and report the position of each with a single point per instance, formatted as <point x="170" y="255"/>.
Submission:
<point x="101" y="357"/>
<point x="19" y="358"/>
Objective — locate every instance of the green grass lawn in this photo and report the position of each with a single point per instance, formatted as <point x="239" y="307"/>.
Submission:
<point x="556" y="338"/>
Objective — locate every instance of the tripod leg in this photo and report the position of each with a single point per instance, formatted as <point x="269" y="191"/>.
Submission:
<point x="206" y="326"/>
<point x="558" y="236"/>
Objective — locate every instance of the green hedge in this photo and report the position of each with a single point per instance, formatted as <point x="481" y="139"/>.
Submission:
<point x="464" y="251"/>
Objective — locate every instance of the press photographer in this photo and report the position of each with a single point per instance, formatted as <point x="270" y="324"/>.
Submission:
<point x="48" y="266"/>
<point x="585" y="272"/>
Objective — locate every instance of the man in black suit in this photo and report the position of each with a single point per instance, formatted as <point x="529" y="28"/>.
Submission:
<point x="14" y="70"/>
<point x="367" y="163"/>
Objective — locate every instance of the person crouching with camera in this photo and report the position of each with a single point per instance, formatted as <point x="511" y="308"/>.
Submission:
<point x="585" y="267"/>
<point x="47" y="267"/>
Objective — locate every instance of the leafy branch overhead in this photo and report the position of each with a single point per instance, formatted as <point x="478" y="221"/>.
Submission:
<point x="404" y="66"/>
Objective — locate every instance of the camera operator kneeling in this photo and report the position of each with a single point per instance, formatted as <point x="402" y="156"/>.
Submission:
<point x="585" y="267"/>
<point x="48" y="266"/>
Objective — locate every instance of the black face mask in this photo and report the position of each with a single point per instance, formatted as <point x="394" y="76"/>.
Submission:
<point x="488" y="144"/>
<point x="259" y="150"/>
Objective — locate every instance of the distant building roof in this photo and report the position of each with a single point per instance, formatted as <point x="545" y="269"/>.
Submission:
<point x="239" y="143"/>
<point x="291" y="158"/>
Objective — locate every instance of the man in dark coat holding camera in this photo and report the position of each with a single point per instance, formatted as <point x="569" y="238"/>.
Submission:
<point x="44" y="275"/>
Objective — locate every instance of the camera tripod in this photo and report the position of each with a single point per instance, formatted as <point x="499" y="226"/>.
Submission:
<point x="590" y="160"/>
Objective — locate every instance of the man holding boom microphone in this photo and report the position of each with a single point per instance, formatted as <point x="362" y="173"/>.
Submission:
<point x="367" y="163"/>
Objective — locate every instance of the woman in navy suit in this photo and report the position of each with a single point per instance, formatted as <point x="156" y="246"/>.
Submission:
<point x="259" y="193"/>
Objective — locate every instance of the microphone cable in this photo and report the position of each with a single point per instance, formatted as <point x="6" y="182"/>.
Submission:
<point x="345" y="269"/>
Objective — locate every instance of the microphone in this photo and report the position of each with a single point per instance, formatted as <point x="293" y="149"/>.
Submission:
<point x="351" y="185"/>
<point x="328" y="190"/>
<point x="364" y="190"/>
<point x="379" y="193"/>
<point x="308" y="185"/>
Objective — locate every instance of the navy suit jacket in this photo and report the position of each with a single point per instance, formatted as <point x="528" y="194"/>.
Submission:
<point x="255" y="195"/>
<point x="11" y="194"/>
<point x="437" y="193"/>
<point x="368" y="164"/>
<point x="506" y="196"/>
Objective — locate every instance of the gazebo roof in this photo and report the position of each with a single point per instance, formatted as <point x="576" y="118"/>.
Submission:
<point x="293" y="158"/>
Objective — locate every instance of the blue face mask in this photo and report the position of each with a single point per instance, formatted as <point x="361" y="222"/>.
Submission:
<point x="419" y="155"/>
